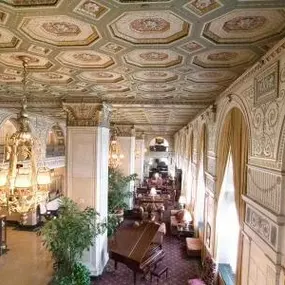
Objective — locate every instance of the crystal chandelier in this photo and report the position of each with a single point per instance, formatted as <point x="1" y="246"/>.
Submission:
<point x="23" y="186"/>
<point x="115" y="155"/>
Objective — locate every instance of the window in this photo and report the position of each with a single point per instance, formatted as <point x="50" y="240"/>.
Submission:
<point x="227" y="227"/>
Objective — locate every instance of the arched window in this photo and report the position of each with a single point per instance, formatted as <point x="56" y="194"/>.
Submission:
<point x="228" y="227"/>
<point x="232" y="155"/>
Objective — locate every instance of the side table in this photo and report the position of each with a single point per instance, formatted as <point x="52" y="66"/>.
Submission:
<point x="185" y="232"/>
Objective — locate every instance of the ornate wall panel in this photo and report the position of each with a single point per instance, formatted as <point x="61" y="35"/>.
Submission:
<point x="263" y="226"/>
<point x="265" y="188"/>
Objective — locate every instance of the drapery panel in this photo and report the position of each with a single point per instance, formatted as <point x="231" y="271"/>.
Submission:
<point x="239" y="150"/>
<point x="201" y="166"/>
<point x="234" y="139"/>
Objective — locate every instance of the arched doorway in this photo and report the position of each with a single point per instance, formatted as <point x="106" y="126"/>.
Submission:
<point x="232" y="155"/>
<point x="55" y="142"/>
<point x="158" y="157"/>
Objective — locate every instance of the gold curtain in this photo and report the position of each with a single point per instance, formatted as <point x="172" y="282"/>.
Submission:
<point x="223" y="152"/>
<point x="234" y="139"/>
<point x="201" y="145"/>
<point x="239" y="151"/>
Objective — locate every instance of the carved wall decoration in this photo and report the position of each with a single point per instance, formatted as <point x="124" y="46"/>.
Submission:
<point x="265" y="188"/>
<point x="265" y="126"/>
<point x="87" y="114"/>
<point x="262" y="226"/>
<point x="267" y="84"/>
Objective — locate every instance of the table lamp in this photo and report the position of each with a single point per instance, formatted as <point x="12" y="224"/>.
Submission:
<point x="182" y="201"/>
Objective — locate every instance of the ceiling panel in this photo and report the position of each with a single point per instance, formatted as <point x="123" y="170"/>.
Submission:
<point x="158" y="63"/>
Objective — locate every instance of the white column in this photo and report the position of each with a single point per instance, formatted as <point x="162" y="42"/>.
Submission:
<point x="87" y="169"/>
<point x="127" y="145"/>
<point x="139" y="158"/>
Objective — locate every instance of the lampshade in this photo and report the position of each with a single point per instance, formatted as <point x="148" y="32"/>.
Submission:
<point x="3" y="177"/>
<point x="187" y="217"/>
<point x="43" y="176"/>
<point x="23" y="179"/>
<point x="152" y="191"/>
<point x="156" y="175"/>
<point x="182" y="200"/>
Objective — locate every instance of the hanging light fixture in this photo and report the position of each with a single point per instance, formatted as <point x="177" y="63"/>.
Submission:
<point x="20" y="182"/>
<point x="115" y="155"/>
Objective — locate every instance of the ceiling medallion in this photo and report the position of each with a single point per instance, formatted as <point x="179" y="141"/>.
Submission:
<point x="245" y="23"/>
<point x="101" y="77"/>
<point x="59" y="30"/>
<point x="16" y="59"/>
<point x="222" y="56"/>
<point x="245" y="26"/>
<point x="145" y="27"/>
<point x="150" y="25"/>
<point x="85" y="58"/>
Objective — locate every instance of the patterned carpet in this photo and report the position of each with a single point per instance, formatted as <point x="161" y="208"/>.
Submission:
<point x="181" y="267"/>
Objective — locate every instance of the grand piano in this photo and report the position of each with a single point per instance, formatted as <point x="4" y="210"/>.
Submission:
<point x="133" y="247"/>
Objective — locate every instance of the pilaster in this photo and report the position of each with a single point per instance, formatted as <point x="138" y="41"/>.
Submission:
<point x="127" y="141"/>
<point x="87" y="169"/>
<point x="140" y="156"/>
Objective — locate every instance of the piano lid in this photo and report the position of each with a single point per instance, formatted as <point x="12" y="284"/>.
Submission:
<point x="134" y="242"/>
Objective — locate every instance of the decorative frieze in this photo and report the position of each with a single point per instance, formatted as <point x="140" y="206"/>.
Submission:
<point x="267" y="84"/>
<point x="87" y="114"/>
<point x="261" y="225"/>
<point x="265" y="188"/>
<point x="266" y="122"/>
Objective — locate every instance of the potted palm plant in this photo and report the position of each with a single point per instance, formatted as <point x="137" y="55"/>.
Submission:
<point x="118" y="193"/>
<point x="67" y="237"/>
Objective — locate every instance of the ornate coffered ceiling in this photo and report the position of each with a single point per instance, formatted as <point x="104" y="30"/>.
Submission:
<point x="158" y="62"/>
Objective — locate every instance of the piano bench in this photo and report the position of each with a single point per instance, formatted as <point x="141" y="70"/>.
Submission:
<point x="158" y="271"/>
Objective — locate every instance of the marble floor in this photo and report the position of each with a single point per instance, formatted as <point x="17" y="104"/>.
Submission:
<point x="27" y="262"/>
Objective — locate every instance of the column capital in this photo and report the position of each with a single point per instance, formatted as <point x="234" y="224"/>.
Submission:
<point x="87" y="114"/>
<point x="126" y="130"/>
